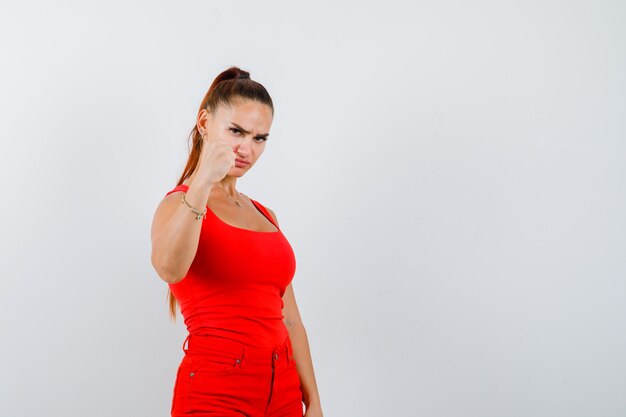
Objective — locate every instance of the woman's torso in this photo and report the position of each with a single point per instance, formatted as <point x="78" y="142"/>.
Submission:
<point x="235" y="284"/>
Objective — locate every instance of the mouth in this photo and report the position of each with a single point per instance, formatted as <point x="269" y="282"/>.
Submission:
<point x="239" y="163"/>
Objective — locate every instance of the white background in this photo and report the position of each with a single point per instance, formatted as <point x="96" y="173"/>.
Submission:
<point x="449" y="173"/>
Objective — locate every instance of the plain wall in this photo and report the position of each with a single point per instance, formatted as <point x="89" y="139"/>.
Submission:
<point x="450" y="175"/>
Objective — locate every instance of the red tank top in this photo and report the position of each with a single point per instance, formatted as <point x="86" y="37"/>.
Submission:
<point x="235" y="284"/>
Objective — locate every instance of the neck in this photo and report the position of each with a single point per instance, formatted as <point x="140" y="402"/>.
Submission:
<point x="228" y="183"/>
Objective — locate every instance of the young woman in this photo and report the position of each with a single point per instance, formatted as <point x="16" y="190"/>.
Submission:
<point x="229" y="267"/>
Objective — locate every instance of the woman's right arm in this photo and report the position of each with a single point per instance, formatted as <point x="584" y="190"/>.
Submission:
<point x="176" y="231"/>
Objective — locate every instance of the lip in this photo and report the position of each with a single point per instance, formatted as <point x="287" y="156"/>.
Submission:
<point x="241" y="163"/>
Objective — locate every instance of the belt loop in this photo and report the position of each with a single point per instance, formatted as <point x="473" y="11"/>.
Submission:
<point x="186" y="341"/>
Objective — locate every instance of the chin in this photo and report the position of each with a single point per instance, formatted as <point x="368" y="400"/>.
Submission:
<point x="238" y="172"/>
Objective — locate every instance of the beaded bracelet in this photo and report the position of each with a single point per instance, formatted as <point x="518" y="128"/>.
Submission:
<point x="199" y="215"/>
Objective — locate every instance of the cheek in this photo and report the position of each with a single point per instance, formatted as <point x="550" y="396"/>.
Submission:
<point x="258" y="151"/>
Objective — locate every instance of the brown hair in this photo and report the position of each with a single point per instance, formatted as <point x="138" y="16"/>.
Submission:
<point x="228" y="87"/>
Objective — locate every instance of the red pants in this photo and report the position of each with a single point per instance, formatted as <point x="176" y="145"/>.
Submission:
<point x="222" y="377"/>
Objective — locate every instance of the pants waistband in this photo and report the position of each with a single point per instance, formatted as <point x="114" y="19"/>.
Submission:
<point x="199" y="344"/>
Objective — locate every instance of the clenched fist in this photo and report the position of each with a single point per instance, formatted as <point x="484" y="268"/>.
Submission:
<point x="217" y="156"/>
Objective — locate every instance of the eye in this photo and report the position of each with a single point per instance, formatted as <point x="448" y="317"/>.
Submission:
<point x="260" y="139"/>
<point x="232" y="129"/>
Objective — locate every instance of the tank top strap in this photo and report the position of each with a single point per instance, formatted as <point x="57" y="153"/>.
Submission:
<point x="181" y="187"/>
<point x="265" y="212"/>
<point x="259" y="206"/>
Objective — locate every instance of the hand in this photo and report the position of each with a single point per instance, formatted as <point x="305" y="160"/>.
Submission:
<point x="217" y="156"/>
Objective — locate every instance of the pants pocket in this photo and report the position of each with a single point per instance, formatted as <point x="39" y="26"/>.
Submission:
<point x="214" y="364"/>
<point x="210" y="379"/>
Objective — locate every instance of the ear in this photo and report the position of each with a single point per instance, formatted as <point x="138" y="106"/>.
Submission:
<point x="203" y="120"/>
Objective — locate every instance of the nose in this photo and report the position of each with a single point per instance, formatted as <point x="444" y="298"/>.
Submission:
<point x="243" y="148"/>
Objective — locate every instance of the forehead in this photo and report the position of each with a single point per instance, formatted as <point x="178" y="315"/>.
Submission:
<point x="249" y="114"/>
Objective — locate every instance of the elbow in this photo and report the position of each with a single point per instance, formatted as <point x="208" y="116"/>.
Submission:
<point x="169" y="277"/>
<point x="293" y="324"/>
<point x="166" y="273"/>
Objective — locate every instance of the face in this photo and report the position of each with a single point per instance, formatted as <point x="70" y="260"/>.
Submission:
<point x="245" y="126"/>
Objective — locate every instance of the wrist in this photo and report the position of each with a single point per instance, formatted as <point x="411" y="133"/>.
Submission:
<point x="204" y="181"/>
<point x="312" y="402"/>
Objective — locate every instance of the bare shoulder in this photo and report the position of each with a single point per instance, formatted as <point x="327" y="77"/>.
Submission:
<point x="164" y="211"/>
<point x="273" y="214"/>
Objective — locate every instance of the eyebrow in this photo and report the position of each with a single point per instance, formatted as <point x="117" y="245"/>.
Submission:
<point x="264" y="135"/>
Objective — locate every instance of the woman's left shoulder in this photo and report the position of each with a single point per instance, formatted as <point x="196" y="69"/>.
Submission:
<point x="272" y="213"/>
